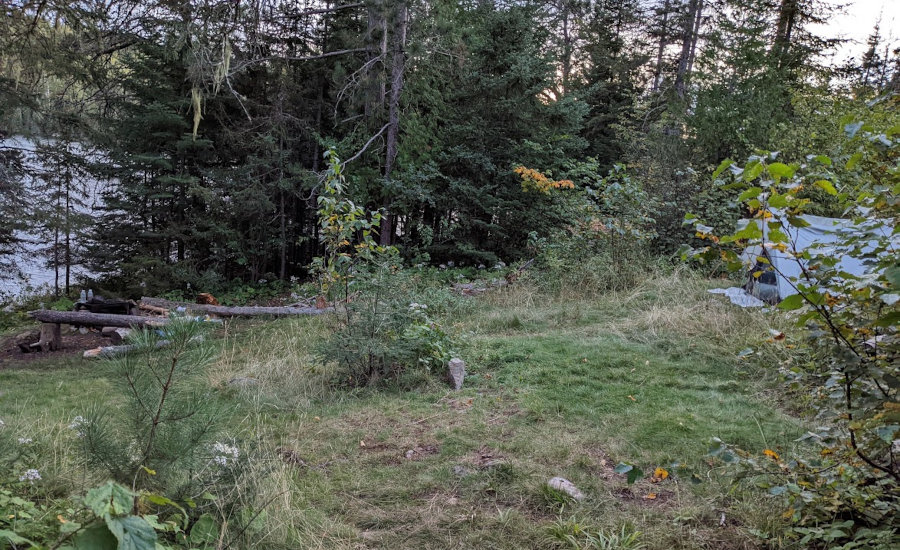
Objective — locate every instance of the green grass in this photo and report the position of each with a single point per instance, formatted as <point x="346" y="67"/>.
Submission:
<point x="556" y="387"/>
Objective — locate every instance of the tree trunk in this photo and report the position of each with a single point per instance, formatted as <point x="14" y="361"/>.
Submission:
<point x="663" y="42"/>
<point x="566" y="48"/>
<point x="688" y="40"/>
<point x="787" y="16"/>
<point x="68" y="225"/>
<point x="398" y="65"/>
<point x="693" y="55"/>
<point x="376" y="36"/>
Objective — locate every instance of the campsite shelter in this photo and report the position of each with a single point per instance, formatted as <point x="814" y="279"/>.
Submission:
<point x="778" y="280"/>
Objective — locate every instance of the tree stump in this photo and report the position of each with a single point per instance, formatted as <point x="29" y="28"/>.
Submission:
<point x="51" y="337"/>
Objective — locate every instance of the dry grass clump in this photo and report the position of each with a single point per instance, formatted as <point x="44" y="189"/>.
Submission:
<point x="273" y="362"/>
<point x="678" y="304"/>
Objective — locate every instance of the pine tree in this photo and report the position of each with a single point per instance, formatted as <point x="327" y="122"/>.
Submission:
<point x="164" y="438"/>
<point x="12" y="204"/>
<point x="60" y="209"/>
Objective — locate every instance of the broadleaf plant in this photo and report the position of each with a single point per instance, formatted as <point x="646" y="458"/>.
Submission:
<point x="847" y="496"/>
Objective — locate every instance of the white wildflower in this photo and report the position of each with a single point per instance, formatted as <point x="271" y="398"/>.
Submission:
<point x="25" y="440"/>
<point x="2" y="423"/>
<point x="223" y="452"/>
<point x="30" y="475"/>
<point x="78" y="423"/>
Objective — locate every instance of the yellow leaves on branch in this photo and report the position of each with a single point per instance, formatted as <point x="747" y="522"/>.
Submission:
<point x="533" y="180"/>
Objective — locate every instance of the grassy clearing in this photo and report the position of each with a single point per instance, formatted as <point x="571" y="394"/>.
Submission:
<point x="560" y="386"/>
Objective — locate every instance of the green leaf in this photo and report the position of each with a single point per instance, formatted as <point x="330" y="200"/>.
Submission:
<point x="778" y="236"/>
<point x="777" y="201"/>
<point x="892" y="274"/>
<point x="826" y="186"/>
<point x="792" y="302"/>
<point x="752" y="171"/>
<point x="823" y="160"/>
<point x="69" y="527"/>
<point x="634" y="475"/>
<point x="95" y="537"/>
<point x="13" y="538"/>
<point x="779" y="170"/>
<point x="111" y="498"/>
<point x="752" y="231"/>
<point x="160" y="500"/>
<point x="132" y="532"/>
<point x="888" y="320"/>
<point x="750" y="193"/>
<point x="205" y="530"/>
<point x="853" y="161"/>
<point x="722" y="166"/>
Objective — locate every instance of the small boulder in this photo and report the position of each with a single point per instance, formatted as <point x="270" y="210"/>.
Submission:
<point x="456" y="370"/>
<point x="565" y="486"/>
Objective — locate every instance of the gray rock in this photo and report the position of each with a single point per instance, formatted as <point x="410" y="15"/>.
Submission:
<point x="456" y="369"/>
<point x="243" y="382"/>
<point x="565" y="486"/>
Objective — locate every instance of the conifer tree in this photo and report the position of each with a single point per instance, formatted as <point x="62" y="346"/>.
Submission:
<point x="164" y="438"/>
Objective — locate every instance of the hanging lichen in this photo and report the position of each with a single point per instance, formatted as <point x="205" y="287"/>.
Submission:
<point x="196" y="105"/>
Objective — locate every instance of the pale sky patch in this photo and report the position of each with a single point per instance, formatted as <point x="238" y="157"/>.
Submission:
<point x="856" y="24"/>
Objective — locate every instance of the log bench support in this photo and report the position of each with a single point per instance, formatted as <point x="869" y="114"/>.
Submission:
<point x="51" y="337"/>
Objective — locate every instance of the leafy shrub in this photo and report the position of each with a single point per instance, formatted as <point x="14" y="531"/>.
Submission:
<point x="605" y="246"/>
<point x="847" y="496"/>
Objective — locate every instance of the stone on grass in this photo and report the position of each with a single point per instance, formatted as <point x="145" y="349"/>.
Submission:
<point x="456" y="369"/>
<point x="565" y="486"/>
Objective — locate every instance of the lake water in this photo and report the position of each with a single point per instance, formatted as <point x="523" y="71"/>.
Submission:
<point x="34" y="272"/>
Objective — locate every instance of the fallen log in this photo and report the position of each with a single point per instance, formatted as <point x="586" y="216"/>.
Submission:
<point x="113" y="351"/>
<point x="116" y="334"/>
<point x="154" y="309"/>
<point x="240" y="311"/>
<point x="84" y="318"/>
